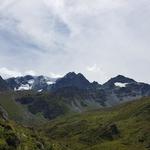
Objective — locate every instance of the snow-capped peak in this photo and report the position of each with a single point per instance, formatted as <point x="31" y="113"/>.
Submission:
<point x="31" y="83"/>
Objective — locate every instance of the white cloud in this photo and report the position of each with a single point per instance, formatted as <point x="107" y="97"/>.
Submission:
<point x="30" y="72"/>
<point x="94" y="68"/>
<point x="6" y="73"/>
<point x="54" y="75"/>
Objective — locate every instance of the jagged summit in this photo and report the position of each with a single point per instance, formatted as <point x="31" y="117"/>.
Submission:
<point x="70" y="74"/>
<point x="72" y="79"/>
<point x="73" y="75"/>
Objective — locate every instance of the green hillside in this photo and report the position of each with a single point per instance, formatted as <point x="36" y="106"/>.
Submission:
<point x="126" y="127"/>
<point x="14" y="110"/>
<point x="18" y="112"/>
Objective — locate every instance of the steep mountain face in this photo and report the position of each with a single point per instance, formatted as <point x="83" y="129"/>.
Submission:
<point x="71" y="80"/>
<point x="121" y="89"/>
<point x="37" y="83"/>
<point x="3" y="85"/>
<point x="61" y="102"/>
<point x="20" y="83"/>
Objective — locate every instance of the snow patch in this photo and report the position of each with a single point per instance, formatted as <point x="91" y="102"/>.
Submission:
<point x="50" y="82"/>
<point x="119" y="84"/>
<point x="24" y="87"/>
<point x="31" y="81"/>
<point x="40" y="90"/>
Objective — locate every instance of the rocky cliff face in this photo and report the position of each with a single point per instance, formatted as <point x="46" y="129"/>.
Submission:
<point x="71" y="80"/>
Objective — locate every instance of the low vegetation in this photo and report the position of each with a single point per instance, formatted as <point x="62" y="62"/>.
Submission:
<point x="125" y="127"/>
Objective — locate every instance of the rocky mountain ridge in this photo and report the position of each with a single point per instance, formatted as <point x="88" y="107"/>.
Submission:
<point x="73" y="93"/>
<point x="117" y="89"/>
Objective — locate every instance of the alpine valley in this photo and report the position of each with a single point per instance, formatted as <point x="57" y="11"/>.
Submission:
<point x="71" y="113"/>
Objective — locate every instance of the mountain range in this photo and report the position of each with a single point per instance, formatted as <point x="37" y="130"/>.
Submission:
<point x="53" y="97"/>
<point x="117" y="90"/>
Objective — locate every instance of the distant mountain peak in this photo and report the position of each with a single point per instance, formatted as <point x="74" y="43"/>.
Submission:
<point x="73" y="74"/>
<point x="28" y="82"/>
<point x="70" y="75"/>
<point x="118" y="80"/>
<point x="122" y="79"/>
<point x="72" y="79"/>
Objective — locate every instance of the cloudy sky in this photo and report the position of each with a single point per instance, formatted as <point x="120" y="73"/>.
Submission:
<point x="99" y="38"/>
